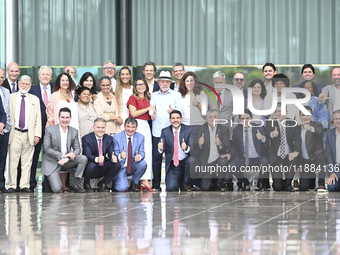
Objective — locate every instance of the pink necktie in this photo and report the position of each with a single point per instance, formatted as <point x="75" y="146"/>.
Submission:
<point x="176" y="160"/>
<point x="45" y="97"/>
<point x="100" y="151"/>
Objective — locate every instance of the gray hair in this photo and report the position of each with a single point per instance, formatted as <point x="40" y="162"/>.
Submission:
<point x="218" y="74"/>
<point x="177" y="64"/>
<point x="336" y="111"/>
<point x="107" y="62"/>
<point x="1" y="69"/>
<point x="42" y="67"/>
<point x="211" y="111"/>
<point x="99" y="120"/>
<point x="131" y="120"/>
<point x="25" y="77"/>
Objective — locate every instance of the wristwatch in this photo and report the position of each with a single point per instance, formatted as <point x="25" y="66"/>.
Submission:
<point x="69" y="158"/>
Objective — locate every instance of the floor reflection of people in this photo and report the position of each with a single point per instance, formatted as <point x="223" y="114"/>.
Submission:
<point x="19" y="222"/>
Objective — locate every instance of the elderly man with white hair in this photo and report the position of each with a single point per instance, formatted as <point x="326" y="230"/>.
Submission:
<point x="25" y="134"/>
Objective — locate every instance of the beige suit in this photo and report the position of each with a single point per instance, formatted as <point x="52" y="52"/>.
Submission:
<point x="21" y="144"/>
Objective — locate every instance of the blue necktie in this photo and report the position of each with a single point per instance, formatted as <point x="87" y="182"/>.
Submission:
<point x="13" y="89"/>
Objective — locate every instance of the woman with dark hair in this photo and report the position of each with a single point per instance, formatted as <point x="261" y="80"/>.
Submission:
<point x="106" y="107"/>
<point x="311" y="86"/>
<point x="139" y="107"/>
<point x="62" y="97"/>
<point x="123" y="91"/>
<point x="258" y="95"/>
<point x="193" y="99"/>
<point x="86" y="112"/>
<point x="87" y="80"/>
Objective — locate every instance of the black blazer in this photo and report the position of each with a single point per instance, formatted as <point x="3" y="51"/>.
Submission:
<point x="156" y="87"/>
<point x="237" y="144"/>
<point x="293" y="136"/>
<point x="314" y="141"/>
<point x="168" y="142"/>
<point x="6" y="85"/>
<point x="35" y="90"/>
<point x="204" y="151"/>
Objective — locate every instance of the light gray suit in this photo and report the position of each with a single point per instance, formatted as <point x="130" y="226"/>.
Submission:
<point x="330" y="92"/>
<point x="226" y="109"/>
<point x="52" y="148"/>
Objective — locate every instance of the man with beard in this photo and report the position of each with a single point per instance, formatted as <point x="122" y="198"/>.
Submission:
<point x="239" y="80"/>
<point x="329" y="95"/>
<point x="268" y="71"/>
<point x="25" y="134"/>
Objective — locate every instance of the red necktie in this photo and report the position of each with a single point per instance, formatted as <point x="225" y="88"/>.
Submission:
<point x="100" y="151"/>
<point x="129" y="159"/>
<point x="176" y="160"/>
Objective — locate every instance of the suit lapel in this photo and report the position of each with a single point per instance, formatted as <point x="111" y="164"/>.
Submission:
<point x="68" y="142"/>
<point x="57" y="130"/>
<point x="94" y="141"/>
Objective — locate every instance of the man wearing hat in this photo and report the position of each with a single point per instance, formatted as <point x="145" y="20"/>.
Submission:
<point x="165" y="101"/>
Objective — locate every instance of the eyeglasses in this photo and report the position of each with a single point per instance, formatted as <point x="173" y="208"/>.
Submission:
<point x="140" y="84"/>
<point x="109" y="68"/>
<point x="239" y="79"/>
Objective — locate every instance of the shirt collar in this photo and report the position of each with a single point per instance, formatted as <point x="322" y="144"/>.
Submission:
<point x="61" y="130"/>
<point x="127" y="137"/>
<point x="173" y="130"/>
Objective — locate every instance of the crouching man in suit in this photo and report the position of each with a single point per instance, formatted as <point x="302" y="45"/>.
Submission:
<point x="174" y="142"/>
<point x="62" y="152"/>
<point x="129" y="149"/>
<point x="98" y="148"/>
<point x="212" y="141"/>
<point x="313" y="155"/>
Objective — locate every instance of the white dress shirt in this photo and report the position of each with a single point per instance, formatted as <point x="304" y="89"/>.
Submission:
<point x="63" y="140"/>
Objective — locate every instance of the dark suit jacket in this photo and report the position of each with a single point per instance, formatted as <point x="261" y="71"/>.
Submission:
<point x="3" y="116"/>
<point x="168" y="142"/>
<point x="6" y="84"/>
<point x="204" y="151"/>
<point x="293" y="136"/>
<point x="237" y="144"/>
<point x="245" y="93"/>
<point x="331" y="151"/>
<point x="156" y="87"/>
<point x="35" y="90"/>
<point x="91" y="150"/>
<point x="314" y="141"/>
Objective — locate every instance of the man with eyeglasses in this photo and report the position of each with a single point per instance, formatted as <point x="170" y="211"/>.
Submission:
<point x="109" y="69"/>
<point x="239" y="80"/>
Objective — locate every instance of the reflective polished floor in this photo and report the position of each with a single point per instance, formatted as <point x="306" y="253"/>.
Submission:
<point x="170" y="223"/>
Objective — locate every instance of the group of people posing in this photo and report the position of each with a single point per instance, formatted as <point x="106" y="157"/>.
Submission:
<point x="110" y="130"/>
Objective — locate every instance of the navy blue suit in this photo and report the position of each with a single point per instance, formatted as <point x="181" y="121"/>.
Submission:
<point x="331" y="158"/>
<point x="35" y="90"/>
<point x="6" y="84"/>
<point x="238" y="148"/>
<point x="3" y="116"/>
<point x="156" y="86"/>
<point x="175" y="176"/>
<point x="138" y="168"/>
<point x="91" y="150"/>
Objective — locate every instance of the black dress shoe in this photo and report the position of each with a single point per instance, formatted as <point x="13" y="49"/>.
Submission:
<point x="74" y="189"/>
<point x="229" y="187"/>
<point x="185" y="188"/>
<point x="157" y="189"/>
<point x="32" y="189"/>
<point x="3" y="190"/>
<point x="260" y="187"/>
<point x="133" y="187"/>
<point x="11" y="190"/>
<point x="221" y="189"/>
<point x="241" y="186"/>
<point x="289" y="188"/>
<point x="25" y="190"/>
<point x="102" y="187"/>
<point x="88" y="188"/>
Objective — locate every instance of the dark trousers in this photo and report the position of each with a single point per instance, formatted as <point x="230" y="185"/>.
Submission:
<point x="37" y="149"/>
<point x="156" y="163"/>
<point x="239" y="164"/>
<point x="308" y="170"/>
<point x="177" y="176"/>
<point x="3" y="154"/>
<point x="278" y="184"/>
<point x="212" y="184"/>
<point x="109" y="170"/>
